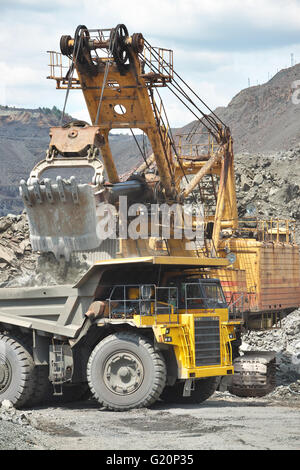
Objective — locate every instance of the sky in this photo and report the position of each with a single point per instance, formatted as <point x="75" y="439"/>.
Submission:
<point x="219" y="45"/>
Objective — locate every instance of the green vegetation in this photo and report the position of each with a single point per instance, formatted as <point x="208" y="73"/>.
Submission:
<point x="57" y="113"/>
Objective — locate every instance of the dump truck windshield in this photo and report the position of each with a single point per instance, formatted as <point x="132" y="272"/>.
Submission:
<point x="213" y="292"/>
<point x="203" y="295"/>
<point x="198" y="293"/>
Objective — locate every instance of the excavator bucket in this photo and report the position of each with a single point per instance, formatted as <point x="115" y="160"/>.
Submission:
<point x="61" y="213"/>
<point x="61" y="216"/>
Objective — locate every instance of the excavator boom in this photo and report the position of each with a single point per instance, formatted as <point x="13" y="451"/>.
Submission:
<point x="118" y="75"/>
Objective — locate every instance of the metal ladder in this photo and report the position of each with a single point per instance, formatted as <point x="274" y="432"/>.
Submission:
<point x="58" y="368"/>
<point x="162" y="124"/>
<point x="186" y="346"/>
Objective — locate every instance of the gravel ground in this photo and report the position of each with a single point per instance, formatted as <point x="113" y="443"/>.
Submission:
<point x="223" y="422"/>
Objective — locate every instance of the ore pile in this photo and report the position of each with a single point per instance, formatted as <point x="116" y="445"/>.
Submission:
<point x="19" y="266"/>
<point x="19" y="429"/>
<point x="16" y="257"/>
<point x="10" y="414"/>
<point x="285" y="341"/>
<point x="271" y="183"/>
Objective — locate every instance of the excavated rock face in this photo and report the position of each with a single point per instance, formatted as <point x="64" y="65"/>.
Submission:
<point x="271" y="183"/>
<point x="264" y="118"/>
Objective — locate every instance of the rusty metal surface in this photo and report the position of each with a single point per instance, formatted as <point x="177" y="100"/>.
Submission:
<point x="272" y="274"/>
<point x="279" y="274"/>
<point x="75" y="139"/>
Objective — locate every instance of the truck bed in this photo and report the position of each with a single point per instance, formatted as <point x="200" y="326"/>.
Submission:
<point x="58" y="310"/>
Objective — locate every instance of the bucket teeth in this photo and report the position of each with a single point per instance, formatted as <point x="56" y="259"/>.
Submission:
<point x="24" y="193"/>
<point x="37" y="192"/>
<point x="74" y="190"/>
<point x="60" y="187"/>
<point x="40" y="192"/>
<point x="48" y="191"/>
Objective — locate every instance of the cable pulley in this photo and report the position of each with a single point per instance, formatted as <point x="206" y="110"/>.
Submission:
<point x="118" y="37"/>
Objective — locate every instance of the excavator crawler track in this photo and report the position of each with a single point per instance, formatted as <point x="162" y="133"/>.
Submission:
<point x="254" y="375"/>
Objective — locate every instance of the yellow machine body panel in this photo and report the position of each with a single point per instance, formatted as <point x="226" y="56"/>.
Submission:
<point x="201" y="340"/>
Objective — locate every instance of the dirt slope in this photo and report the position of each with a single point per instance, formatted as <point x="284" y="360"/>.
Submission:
<point x="264" y="118"/>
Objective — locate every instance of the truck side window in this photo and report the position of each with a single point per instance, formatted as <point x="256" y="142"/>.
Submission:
<point x="214" y="292"/>
<point x="194" y="296"/>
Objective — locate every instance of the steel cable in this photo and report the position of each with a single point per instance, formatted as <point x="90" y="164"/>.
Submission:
<point x="72" y="68"/>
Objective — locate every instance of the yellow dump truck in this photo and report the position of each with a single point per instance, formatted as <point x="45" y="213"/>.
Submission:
<point x="133" y="329"/>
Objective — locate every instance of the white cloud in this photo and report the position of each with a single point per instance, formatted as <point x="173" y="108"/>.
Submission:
<point x="203" y="20"/>
<point x="217" y="44"/>
<point x="14" y="75"/>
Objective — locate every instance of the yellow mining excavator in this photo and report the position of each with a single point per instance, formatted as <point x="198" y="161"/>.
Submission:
<point x="150" y="319"/>
<point x="121" y="91"/>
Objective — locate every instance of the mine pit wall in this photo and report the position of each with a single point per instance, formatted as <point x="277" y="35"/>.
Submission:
<point x="266" y="275"/>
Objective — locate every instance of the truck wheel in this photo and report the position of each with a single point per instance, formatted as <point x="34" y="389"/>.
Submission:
<point x="124" y="372"/>
<point x="203" y="389"/>
<point x="40" y="375"/>
<point x="41" y="386"/>
<point x="17" y="378"/>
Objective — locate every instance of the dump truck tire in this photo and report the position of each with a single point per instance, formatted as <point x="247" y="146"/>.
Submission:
<point x="41" y="386"/>
<point x="40" y="375"/>
<point x="125" y="372"/>
<point x="204" y="389"/>
<point x="17" y="378"/>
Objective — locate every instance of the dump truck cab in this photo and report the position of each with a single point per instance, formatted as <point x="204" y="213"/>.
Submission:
<point x="183" y="294"/>
<point x="186" y="319"/>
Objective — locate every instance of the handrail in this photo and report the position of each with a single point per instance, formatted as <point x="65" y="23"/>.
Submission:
<point x="159" y="62"/>
<point x="272" y="230"/>
<point x="59" y="66"/>
<point x="195" y="149"/>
